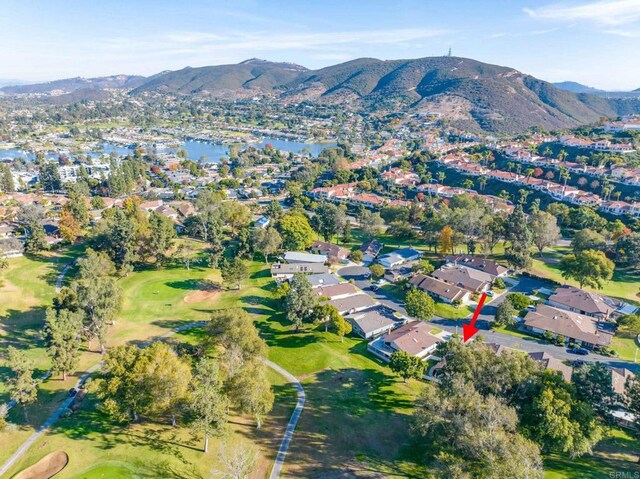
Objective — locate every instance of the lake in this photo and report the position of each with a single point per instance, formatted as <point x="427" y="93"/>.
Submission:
<point x="195" y="150"/>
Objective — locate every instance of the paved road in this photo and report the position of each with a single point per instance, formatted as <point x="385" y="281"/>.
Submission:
<point x="487" y="314"/>
<point x="293" y="421"/>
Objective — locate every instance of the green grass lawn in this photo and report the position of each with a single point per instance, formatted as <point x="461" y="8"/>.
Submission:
<point x="625" y="347"/>
<point x="616" y="454"/>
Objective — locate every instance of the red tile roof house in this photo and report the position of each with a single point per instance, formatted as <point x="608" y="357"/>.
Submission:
<point x="414" y="338"/>
<point x="573" y="326"/>
<point x="445" y="292"/>
<point x="332" y="251"/>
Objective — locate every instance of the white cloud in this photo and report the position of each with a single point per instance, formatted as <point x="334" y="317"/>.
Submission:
<point x="604" y="12"/>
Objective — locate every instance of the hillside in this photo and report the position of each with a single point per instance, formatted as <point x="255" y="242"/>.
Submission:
<point x="468" y="94"/>
<point x="246" y="78"/>
<point x="70" y="85"/>
<point x="576" y="87"/>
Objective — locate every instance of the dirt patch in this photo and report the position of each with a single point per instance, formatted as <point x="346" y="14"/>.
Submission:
<point x="206" y="292"/>
<point x="47" y="467"/>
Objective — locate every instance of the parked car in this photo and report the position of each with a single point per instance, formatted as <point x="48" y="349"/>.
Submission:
<point x="491" y="294"/>
<point x="379" y="284"/>
<point x="579" y="351"/>
<point x="72" y="392"/>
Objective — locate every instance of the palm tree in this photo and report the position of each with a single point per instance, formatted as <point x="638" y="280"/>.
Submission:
<point x="441" y="176"/>
<point x="468" y="183"/>
<point x="523" y="196"/>
<point x="564" y="174"/>
<point x="482" y="182"/>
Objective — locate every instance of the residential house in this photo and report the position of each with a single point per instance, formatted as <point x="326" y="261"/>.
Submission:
<point x="398" y="273"/>
<point x="336" y="291"/>
<point x="373" y="322"/>
<point x="399" y="256"/>
<point x="352" y="304"/>
<point x="323" y="279"/>
<point x="471" y="279"/>
<point x="445" y="292"/>
<point x="572" y="326"/>
<point x="413" y="338"/>
<point x="333" y="252"/>
<point x="302" y="257"/>
<point x="262" y="222"/>
<point x="482" y="264"/>
<point x="554" y="364"/>
<point x="370" y="250"/>
<point x="284" y="271"/>
<point x="581" y="301"/>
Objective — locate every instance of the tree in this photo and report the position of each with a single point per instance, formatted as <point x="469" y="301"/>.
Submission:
<point x="370" y="223"/>
<point x="233" y="329"/>
<point x="238" y="461"/>
<point x="30" y="217"/>
<point x="165" y="379"/>
<point x="21" y="386"/>
<point x="6" y="179"/>
<point x="474" y="436"/>
<point x="376" y="270"/>
<point x="267" y="240"/>
<point x="300" y="300"/>
<point x="295" y="230"/>
<point x="593" y="385"/>
<point x="69" y="227"/>
<point x="328" y="220"/>
<point x="628" y="250"/>
<point x="208" y="404"/>
<point x="544" y="229"/>
<point x="589" y="267"/>
<point x="49" y="176"/>
<point x="119" y="385"/>
<point x="236" y="215"/>
<point x="77" y="207"/>
<point x="117" y="236"/>
<point x="588" y="239"/>
<point x="519" y="300"/>
<point x="162" y="231"/>
<point x="558" y="421"/>
<point x="445" y="243"/>
<point x="632" y="397"/>
<point x="406" y="366"/>
<point x="62" y="331"/>
<point x="97" y="295"/>
<point x="629" y="324"/>
<point x="186" y="253"/>
<point x="356" y="256"/>
<point x="251" y="391"/>
<point x="233" y="271"/>
<point x="423" y="266"/>
<point x="505" y="314"/>
<point x="4" y="412"/>
<point x="419" y="304"/>
<point x="518" y="234"/>
<point x="341" y="326"/>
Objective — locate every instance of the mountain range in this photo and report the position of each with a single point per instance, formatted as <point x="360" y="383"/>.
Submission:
<point x="469" y="94"/>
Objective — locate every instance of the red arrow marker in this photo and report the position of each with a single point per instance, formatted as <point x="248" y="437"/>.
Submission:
<point x="469" y="330"/>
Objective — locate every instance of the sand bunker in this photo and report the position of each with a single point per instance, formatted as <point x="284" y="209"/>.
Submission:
<point x="47" y="467"/>
<point x="206" y="292"/>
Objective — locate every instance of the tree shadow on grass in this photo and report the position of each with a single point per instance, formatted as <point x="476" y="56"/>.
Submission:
<point x="22" y="329"/>
<point x="348" y="413"/>
<point x="195" y="285"/>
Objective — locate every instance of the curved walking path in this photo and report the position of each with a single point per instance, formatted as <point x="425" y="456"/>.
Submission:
<point x="293" y="421"/>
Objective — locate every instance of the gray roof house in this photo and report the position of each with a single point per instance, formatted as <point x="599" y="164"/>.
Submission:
<point x="464" y="277"/>
<point x="476" y="262"/>
<point x="581" y="301"/>
<point x="302" y="257"/>
<point x="577" y="327"/>
<point x="399" y="256"/>
<point x="352" y="304"/>
<point x="373" y="322"/>
<point x="284" y="271"/>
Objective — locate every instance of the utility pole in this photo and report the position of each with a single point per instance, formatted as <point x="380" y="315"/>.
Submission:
<point x="449" y="52"/>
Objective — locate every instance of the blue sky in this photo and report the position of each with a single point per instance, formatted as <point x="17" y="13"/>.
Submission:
<point x="592" y="42"/>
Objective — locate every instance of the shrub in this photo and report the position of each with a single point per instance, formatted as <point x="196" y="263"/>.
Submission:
<point x="499" y="283"/>
<point x="519" y="300"/>
<point x="356" y="256"/>
<point x="548" y="335"/>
